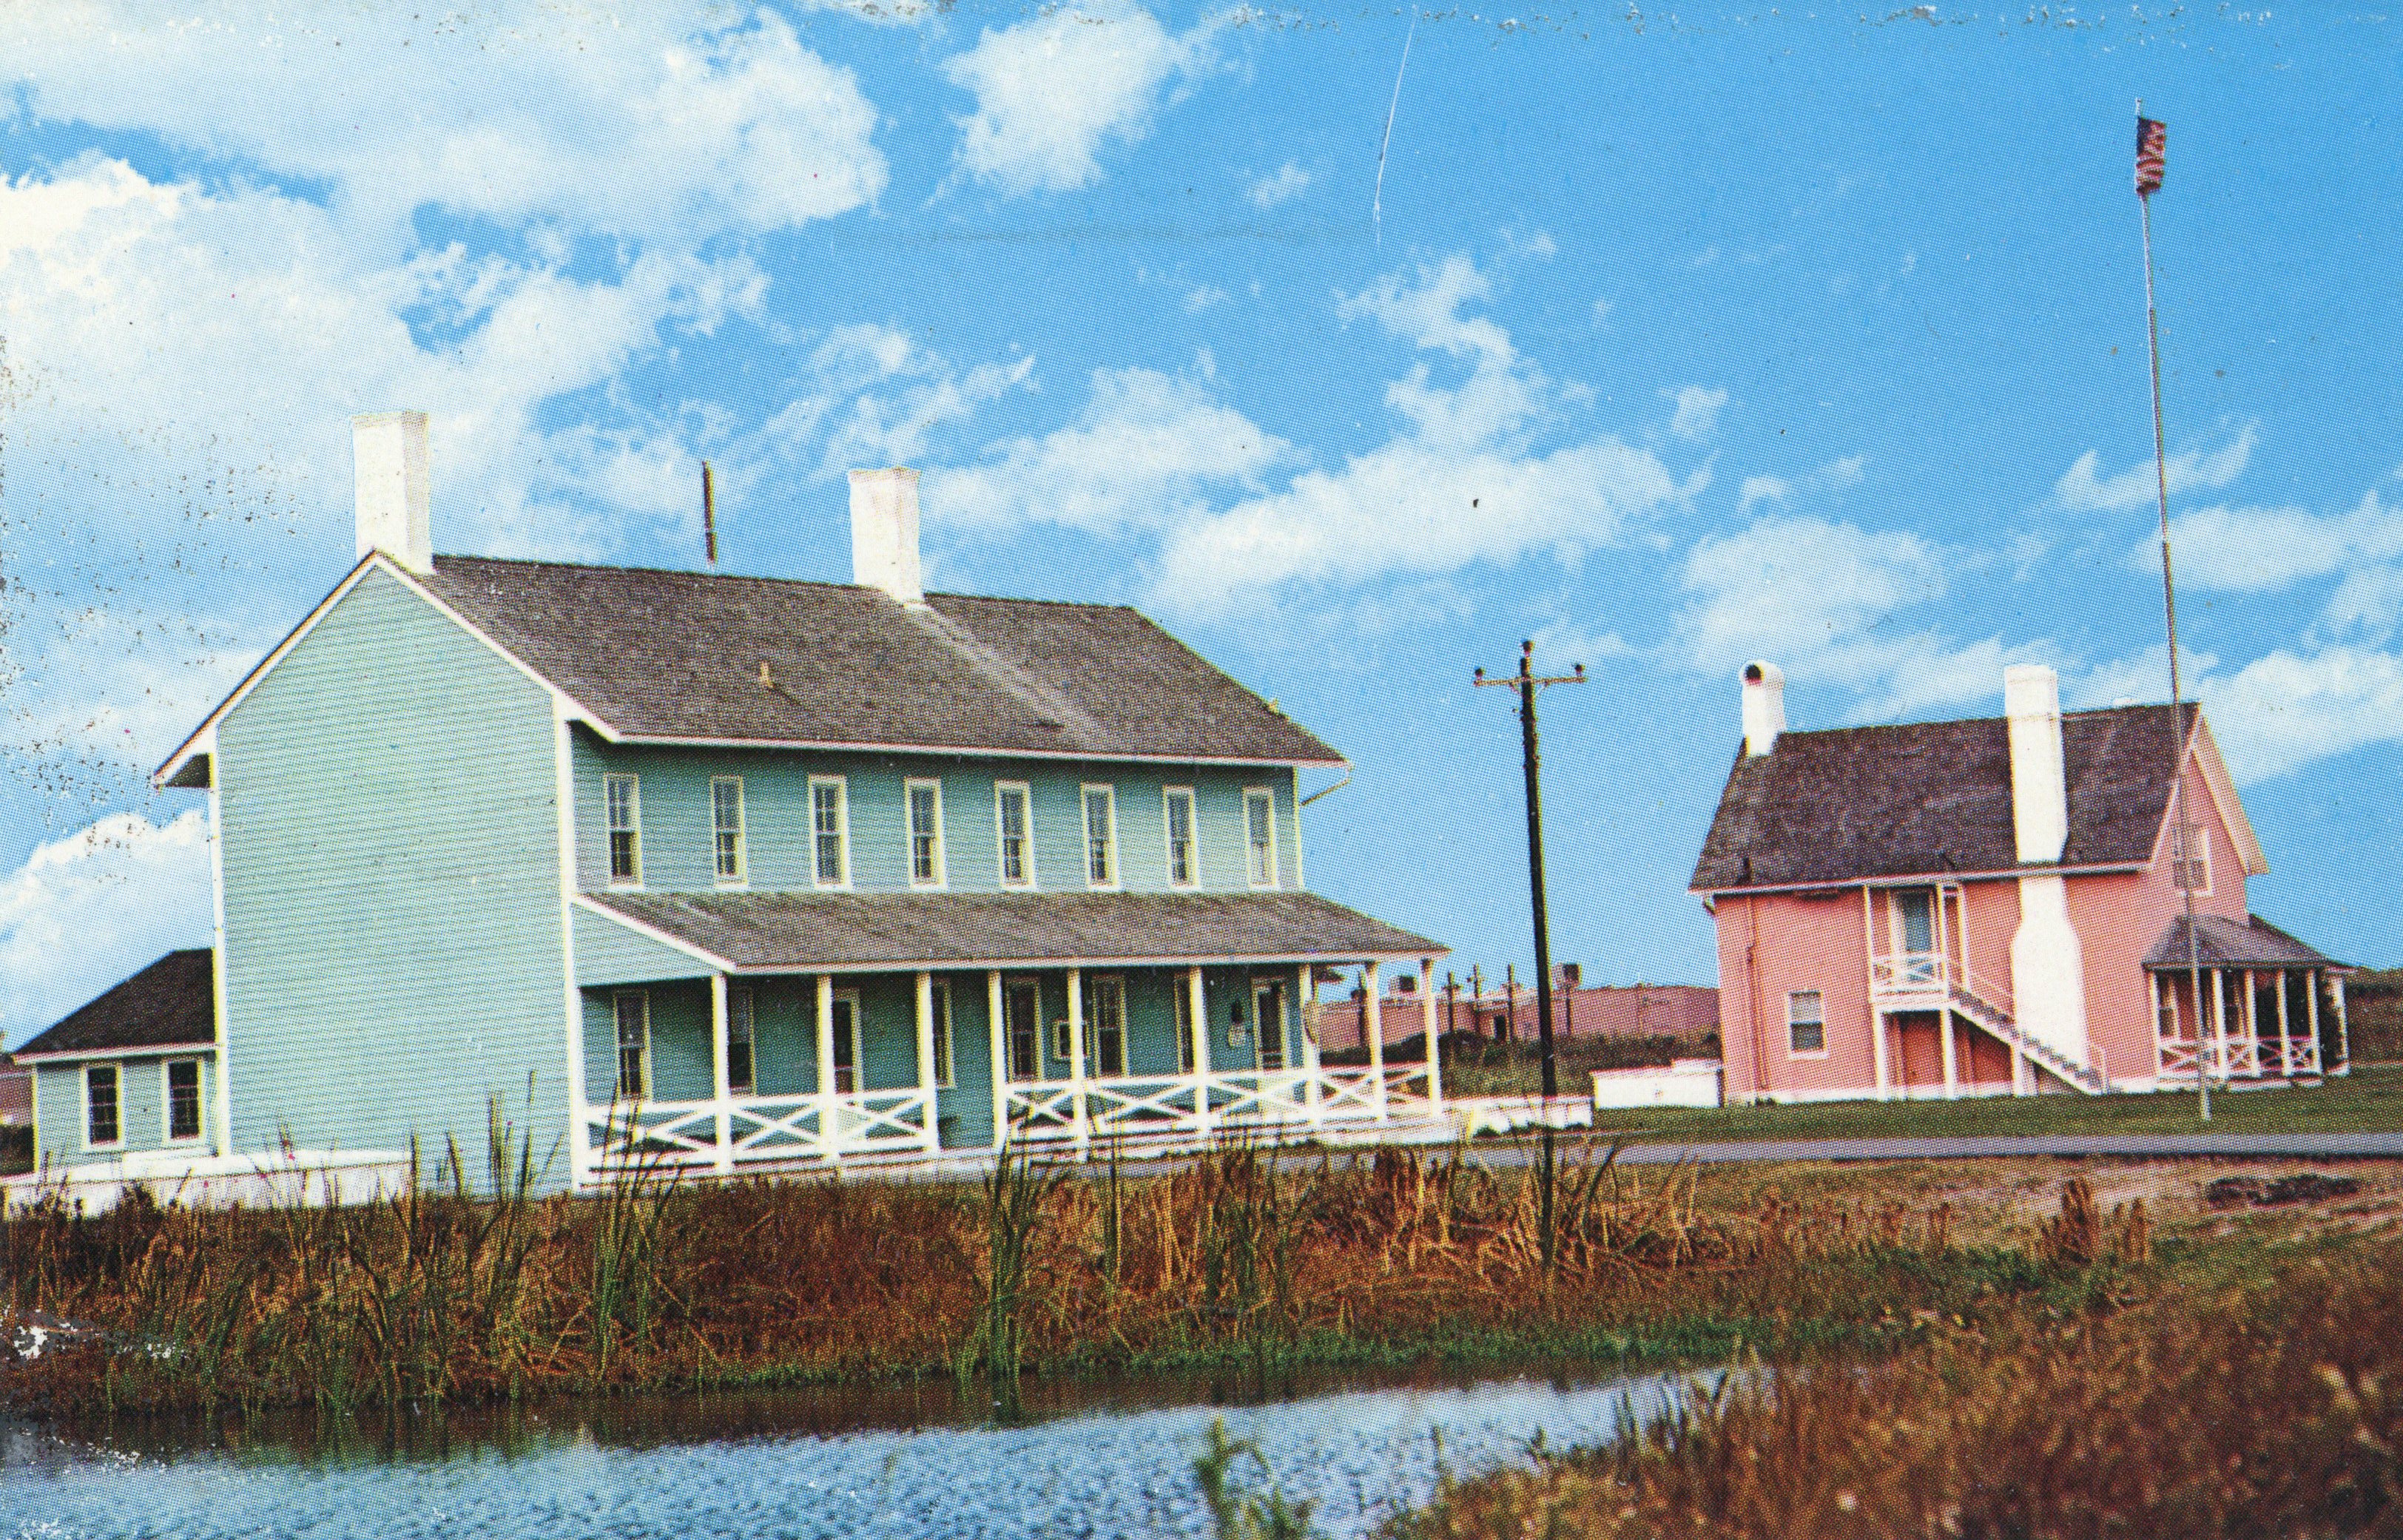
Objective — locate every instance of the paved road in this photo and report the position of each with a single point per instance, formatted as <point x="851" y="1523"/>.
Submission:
<point x="2143" y="1146"/>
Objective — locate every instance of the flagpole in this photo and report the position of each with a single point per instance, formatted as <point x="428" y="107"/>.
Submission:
<point x="2181" y="855"/>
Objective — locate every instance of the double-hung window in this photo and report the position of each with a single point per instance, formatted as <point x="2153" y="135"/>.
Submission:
<point x="1101" y="837"/>
<point x="1184" y="997"/>
<point x="829" y="832"/>
<point x="1107" y="999"/>
<point x="1806" y="1023"/>
<point x="1259" y="838"/>
<point x="624" y="794"/>
<point x="183" y="1099"/>
<point x="725" y="827"/>
<point x="633" y="1045"/>
<point x="1014" y="816"/>
<point x="101" y="1128"/>
<point x="740" y="1059"/>
<point x="925" y="833"/>
<point x="2190" y="858"/>
<point x="1184" y="864"/>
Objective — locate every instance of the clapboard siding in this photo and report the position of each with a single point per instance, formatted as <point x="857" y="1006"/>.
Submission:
<point x="59" y="1128"/>
<point x="676" y="828"/>
<point x="393" y="959"/>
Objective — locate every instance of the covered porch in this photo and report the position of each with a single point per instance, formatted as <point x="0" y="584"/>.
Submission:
<point x="2271" y="1008"/>
<point x="734" y="1032"/>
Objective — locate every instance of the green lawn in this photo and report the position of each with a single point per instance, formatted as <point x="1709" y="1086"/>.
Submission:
<point x="2370" y="1099"/>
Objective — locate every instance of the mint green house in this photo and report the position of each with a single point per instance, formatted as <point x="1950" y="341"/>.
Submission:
<point x="742" y="874"/>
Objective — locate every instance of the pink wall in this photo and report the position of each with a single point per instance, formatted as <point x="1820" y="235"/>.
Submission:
<point x="1805" y="942"/>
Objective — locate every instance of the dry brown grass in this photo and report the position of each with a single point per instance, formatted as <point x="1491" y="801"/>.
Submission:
<point x="440" y="1297"/>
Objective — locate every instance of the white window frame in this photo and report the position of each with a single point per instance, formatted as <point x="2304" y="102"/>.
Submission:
<point x="1169" y="798"/>
<point x="1094" y="987"/>
<point x="1792" y="1021"/>
<point x="1002" y="792"/>
<point x="841" y="787"/>
<point x="609" y="830"/>
<point x="642" y="999"/>
<point x="911" y="787"/>
<point x="1251" y="796"/>
<point x="858" y="1047"/>
<point x="2177" y="858"/>
<point x="115" y="1073"/>
<point x="741" y="875"/>
<point x="167" y="1133"/>
<point x="743" y="1026"/>
<point x="1183" y="995"/>
<point x="939" y="991"/>
<point x="1009" y="987"/>
<point x="1085" y="834"/>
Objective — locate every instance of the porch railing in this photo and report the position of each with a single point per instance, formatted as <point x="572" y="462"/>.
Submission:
<point x="1196" y="1105"/>
<point x="761" y="1128"/>
<point x="2240" y="1058"/>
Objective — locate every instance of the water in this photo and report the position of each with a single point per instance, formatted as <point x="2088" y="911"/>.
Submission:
<point x="1096" y="1462"/>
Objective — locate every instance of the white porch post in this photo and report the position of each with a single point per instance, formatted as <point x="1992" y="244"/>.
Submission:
<point x="2252" y="1018"/>
<point x="1877" y="1053"/>
<point x="721" y="1088"/>
<point x="1951" y="1060"/>
<point x="2343" y="1037"/>
<point x="2285" y="1062"/>
<point x="1876" y="1018"/>
<point x="1372" y="1026"/>
<point x="1306" y="1007"/>
<point x="2219" y="1019"/>
<point x="829" y="1121"/>
<point x="931" y="1137"/>
<point x="1197" y="1018"/>
<point x="1433" y="1038"/>
<point x="1084" y="1129"/>
<point x="2019" y="1086"/>
<point x="997" y="1043"/>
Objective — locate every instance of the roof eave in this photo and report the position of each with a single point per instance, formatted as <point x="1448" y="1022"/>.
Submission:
<point x="1983" y="874"/>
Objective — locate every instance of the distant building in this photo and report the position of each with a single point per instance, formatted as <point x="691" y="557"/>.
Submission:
<point x="1997" y="906"/>
<point x="16" y="1093"/>
<point x="1613" y="1010"/>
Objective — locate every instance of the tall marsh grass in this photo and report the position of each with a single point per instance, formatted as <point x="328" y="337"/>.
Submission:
<point x="1236" y="1260"/>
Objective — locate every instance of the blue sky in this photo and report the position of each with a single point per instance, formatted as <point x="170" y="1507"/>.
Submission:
<point x="1671" y="340"/>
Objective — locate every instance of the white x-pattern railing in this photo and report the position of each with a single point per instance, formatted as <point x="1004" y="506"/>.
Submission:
<point x="2237" y="1058"/>
<point x="1196" y="1105"/>
<point x="761" y="1128"/>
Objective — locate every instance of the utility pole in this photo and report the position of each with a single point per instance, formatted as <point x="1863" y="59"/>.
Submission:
<point x="1527" y="683"/>
<point x="1510" y="995"/>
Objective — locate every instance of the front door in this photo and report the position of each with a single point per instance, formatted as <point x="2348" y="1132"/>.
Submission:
<point x="1023" y="1013"/>
<point x="1914" y="927"/>
<point x="1268" y="1024"/>
<point x="846" y="1045"/>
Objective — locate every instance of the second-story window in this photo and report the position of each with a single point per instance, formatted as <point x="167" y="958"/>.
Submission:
<point x="829" y="832"/>
<point x="624" y="794"/>
<point x="726" y="826"/>
<point x="1011" y="812"/>
<point x="1101" y="837"/>
<point x="1259" y="838"/>
<point x="2190" y="858"/>
<point x="1184" y="870"/>
<point x="925" y="833"/>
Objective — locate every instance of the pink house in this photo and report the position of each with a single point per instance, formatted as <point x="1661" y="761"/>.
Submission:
<point x="1994" y="907"/>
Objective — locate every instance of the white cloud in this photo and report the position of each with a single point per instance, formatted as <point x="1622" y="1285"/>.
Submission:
<point x="1203" y="297"/>
<point x="636" y="122"/>
<point x="1698" y="412"/>
<point x="2277" y="713"/>
<point x="1762" y="489"/>
<point x="878" y="398"/>
<point x="90" y="909"/>
<point x="1839" y="474"/>
<point x="1465" y="482"/>
<point x="1286" y="183"/>
<point x="2260" y="550"/>
<point x="1051" y="91"/>
<point x="1141" y="455"/>
<point x="2082" y="489"/>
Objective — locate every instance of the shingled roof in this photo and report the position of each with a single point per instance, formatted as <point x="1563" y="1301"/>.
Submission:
<point x="780" y="930"/>
<point x="2252" y="942"/>
<point x="1854" y="803"/>
<point x="172" y="1003"/>
<point x="677" y="655"/>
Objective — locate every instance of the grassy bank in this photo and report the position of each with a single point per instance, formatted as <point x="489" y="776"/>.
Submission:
<point x="2254" y="1388"/>
<point x="435" y="1297"/>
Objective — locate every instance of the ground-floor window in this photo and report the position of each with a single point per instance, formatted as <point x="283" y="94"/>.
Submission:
<point x="942" y="1006"/>
<point x="741" y="1072"/>
<point x="633" y="1045"/>
<point x="1108" y="1011"/>
<point x="183" y="1099"/>
<point x="1806" y="1023"/>
<point x="1268" y="1024"/>
<point x="846" y="1045"/>
<point x="1023" y="1013"/>
<point x="1183" y="992"/>
<point x="100" y="1123"/>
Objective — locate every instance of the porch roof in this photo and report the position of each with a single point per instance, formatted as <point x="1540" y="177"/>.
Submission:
<point x="2223" y="943"/>
<point x="771" y="932"/>
<point x="172" y="1003"/>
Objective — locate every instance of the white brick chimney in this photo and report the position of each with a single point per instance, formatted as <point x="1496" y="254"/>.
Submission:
<point x="391" y="490"/>
<point x="1764" y="706"/>
<point x="884" y="532"/>
<point x="2047" y="963"/>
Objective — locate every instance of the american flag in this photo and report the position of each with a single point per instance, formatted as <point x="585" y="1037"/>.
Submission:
<point x="2152" y="146"/>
